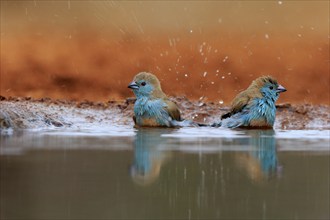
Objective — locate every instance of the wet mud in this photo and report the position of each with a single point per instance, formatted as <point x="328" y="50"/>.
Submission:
<point x="29" y="113"/>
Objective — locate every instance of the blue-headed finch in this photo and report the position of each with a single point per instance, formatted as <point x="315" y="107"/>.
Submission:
<point x="255" y="106"/>
<point x="152" y="107"/>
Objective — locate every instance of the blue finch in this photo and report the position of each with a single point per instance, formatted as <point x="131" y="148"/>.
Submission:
<point x="152" y="107"/>
<point x="255" y="106"/>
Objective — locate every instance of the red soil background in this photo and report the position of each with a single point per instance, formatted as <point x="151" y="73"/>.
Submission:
<point x="85" y="60"/>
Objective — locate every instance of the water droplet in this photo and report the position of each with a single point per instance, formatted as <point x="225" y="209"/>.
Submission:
<point x="186" y="75"/>
<point x="205" y="73"/>
<point x="222" y="77"/>
<point x="266" y="36"/>
<point x="280" y="2"/>
<point x="221" y="102"/>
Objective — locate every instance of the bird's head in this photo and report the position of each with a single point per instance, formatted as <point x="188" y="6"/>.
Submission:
<point x="146" y="85"/>
<point x="268" y="87"/>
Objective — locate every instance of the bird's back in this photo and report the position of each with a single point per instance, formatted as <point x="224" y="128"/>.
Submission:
<point x="241" y="101"/>
<point x="173" y="110"/>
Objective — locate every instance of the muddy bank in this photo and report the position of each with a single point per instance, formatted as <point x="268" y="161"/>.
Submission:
<point x="88" y="67"/>
<point x="27" y="113"/>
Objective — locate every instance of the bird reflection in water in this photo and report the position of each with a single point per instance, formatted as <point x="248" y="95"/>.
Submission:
<point x="258" y="159"/>
<point x="148" y="155"/>
<point x="260" y="163"/>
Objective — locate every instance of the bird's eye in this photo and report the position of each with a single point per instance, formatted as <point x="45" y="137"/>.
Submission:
<point x="143" y="83"/>
<point x="271" y="87"/>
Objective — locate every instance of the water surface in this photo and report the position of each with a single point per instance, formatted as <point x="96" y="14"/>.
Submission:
<point x="187" y="173"/>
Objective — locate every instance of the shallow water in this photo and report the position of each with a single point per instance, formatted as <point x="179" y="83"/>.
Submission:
<point x="187" y="173"/>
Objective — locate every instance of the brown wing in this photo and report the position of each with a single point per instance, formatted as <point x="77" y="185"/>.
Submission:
<point x="173" y="110"/>
<point x="239" y="102"/>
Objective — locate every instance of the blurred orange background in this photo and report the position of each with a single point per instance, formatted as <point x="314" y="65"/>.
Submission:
<point x="202" y="50"/>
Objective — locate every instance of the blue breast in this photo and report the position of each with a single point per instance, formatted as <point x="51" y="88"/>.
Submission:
<point x="145" y="108"/>
<point x="261" y="109"/>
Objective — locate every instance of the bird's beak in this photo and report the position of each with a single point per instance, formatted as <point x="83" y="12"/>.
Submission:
<point x="280" y="89"/>
<point x="133" y="85"/>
